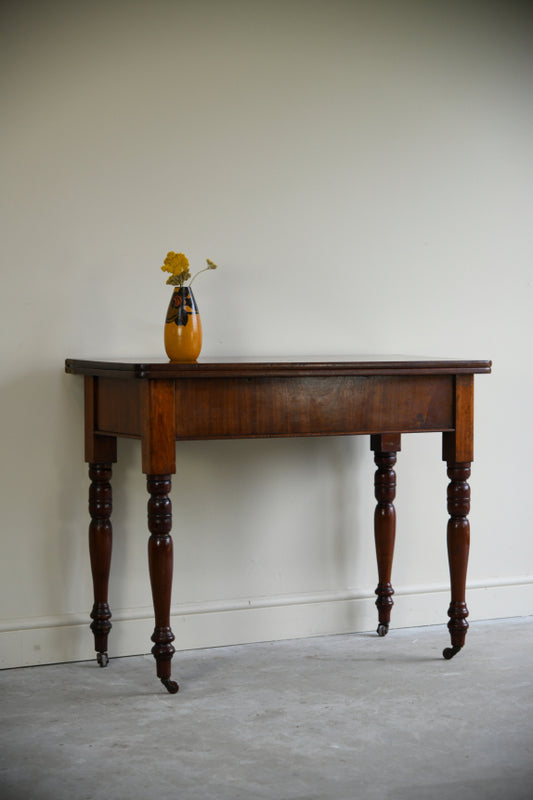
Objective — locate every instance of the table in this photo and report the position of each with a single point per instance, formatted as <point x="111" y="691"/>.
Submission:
<point x="161" y="403"/>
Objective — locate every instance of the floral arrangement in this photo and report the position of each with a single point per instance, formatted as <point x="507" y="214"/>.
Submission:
<point x="178" y="266"/>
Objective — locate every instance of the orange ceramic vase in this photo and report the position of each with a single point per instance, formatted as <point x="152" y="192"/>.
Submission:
<point x="183" y="327"/>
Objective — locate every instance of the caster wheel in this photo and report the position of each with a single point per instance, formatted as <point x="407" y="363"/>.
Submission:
<point x="383" y="629"/>
<point x="102" y="659"/>
<point x="171" y="686"/>
<point x="450" y="652"/>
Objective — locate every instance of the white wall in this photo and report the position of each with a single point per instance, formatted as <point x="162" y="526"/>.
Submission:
<point x="362" y="172"/>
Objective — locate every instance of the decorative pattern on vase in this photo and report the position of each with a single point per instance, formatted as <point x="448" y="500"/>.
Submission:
<point x="183" y="327"/>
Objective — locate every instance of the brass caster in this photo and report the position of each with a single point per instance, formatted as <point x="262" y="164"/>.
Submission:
<point x="102" y="659"/>
<point x="449" y="652"/>
<point x="170" y="685"/>
<point x="383" y="629"/>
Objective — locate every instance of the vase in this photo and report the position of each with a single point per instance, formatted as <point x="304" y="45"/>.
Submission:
<point x="183" y="327"/>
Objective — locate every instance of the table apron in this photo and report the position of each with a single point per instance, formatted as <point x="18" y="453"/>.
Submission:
<point x="249" y="407"/>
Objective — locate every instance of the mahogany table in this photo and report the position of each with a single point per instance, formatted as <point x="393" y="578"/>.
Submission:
<point x="160" y="402"/>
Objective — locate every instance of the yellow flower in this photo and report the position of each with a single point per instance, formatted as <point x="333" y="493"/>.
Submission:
<point x="178" y="266"/>
<point x="175" y="263"/>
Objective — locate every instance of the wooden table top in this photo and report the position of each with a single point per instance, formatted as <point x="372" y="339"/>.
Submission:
<point x="302" y="366"/>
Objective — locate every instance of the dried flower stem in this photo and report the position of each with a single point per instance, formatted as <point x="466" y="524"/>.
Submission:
<point x="178" y="265"/>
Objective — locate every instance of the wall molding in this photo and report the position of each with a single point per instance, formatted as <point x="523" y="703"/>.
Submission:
<point x="66" y="637"/>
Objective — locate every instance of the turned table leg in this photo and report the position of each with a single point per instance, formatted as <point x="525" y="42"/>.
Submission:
<point x="160" y="560"/>
<point x="458" y="536"/>
<point x="100" y="544"/>
<point x="385" y="449"/>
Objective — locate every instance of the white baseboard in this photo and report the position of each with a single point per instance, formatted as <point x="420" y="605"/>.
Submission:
<point x="47" y="640"/>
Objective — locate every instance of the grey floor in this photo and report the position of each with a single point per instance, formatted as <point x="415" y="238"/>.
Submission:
<point x="330" y="718"/>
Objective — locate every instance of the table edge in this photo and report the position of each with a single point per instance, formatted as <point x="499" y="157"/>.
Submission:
<point x="169" y="371"/>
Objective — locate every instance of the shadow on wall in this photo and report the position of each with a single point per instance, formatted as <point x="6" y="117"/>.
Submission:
<point x="276" y="516"/>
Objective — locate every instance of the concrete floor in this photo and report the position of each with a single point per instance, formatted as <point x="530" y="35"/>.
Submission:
<point x="331" y="718"/>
